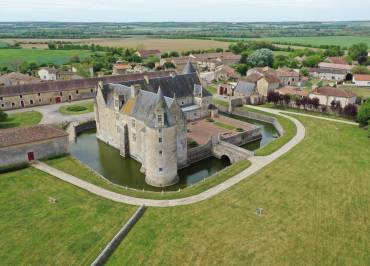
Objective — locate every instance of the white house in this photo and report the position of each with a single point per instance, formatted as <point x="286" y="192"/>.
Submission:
<point x="328" y="94"/>
<point x="362" y="80"/>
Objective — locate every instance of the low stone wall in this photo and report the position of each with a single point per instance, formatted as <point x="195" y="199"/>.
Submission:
<point x="244" y="137"/>
<point x="199" y="153"/>
<point x="261" y="117"/>
<point x="74" y="128"/>
<point x="117" y="239"/>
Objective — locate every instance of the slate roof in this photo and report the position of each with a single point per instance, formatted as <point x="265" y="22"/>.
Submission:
<point x="57" y="86"/>
<point x="18" y="136"/>
<point x="189" y="68"/>
<point x="245" y="87"/>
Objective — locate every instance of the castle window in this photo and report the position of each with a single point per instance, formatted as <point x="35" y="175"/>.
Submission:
<point x="20" y="96"/>
<point x="133" y="123"/>
<point x="160" y="140"/>
<point x="61" y="93"/>
<point x="2" y="105"/>
<point x="1" y="98"/>
<point x="39" y="94"/>
<point x="92" y="90"/>
<point x="13" y="104"/>
<point x="134" y="137"/>
<point x="31" y="101"/>
<point x="40" y="100"/>
<point x="159" y="117"/>
<point x="160" y="130"/>
<point x="160" y="170"/>
<point x="76" y="91"/>
<point x="160" y="153"/>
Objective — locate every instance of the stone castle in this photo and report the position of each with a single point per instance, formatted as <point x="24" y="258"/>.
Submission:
<point x="146" y="119"/>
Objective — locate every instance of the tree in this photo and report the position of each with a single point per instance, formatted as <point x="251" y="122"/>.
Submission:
<point x="287" y="99"/>
<point x="312" y="61"/>
<point x="350" y="110"/>
<point x="273" y="97"/>
<point x="334" y="51"/>
<point x="304" y="72"/>
<point x="315" y="102"/>
<point x="173" y="54"/>
<point x="262" y="57"/>
<point x="168" y="65"/>
<point x="75" y="59"/>
<point x="358" y="52"/>
<point x="52" y="46"/>
<point x="219" y="50"/>
<point x="3" y="116"/>
<point x="242" y="69"/>
<point x="360" y="70"/>
<point x="363" y="116"/>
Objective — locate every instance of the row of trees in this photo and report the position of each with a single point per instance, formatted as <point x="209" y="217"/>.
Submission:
<point x="308" y="103"/>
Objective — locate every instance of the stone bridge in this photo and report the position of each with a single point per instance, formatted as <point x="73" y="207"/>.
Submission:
<point x="224" y="150"/>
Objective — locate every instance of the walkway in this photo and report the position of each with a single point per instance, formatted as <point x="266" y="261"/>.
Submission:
<point x="50" y="114"/>
<point x="257" y="164"/>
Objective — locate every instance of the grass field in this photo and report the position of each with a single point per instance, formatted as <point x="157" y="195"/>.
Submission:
<point x="322" y="40"/>
<point x="77" y="109"/>
<point x="74" y="167"/>
<point x="71" y="231"/>
<point x="315" y="199"/>
<point x="14" y="57"/>
<point x="22" y="119"/>
<point x="138" y="42"/>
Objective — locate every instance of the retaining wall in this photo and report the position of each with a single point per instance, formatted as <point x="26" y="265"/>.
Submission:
<point x="199" y="153"/>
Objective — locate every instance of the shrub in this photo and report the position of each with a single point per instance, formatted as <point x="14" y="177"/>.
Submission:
<point x="210" y="120"/>
<point x="350" y="110"/>
<point x="240" y="129"/>
<point x="192" y="144"/>
<point x="363" y="115"/>
<point x="3" y="116"/>
<point x="76" y="108"/>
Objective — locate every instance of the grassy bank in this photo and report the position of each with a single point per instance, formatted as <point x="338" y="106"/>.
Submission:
<point x="315" y="199"/>
<point x="21" y="119"/>
<point x="77" y="109"/>
<point x="290" y="131"/>
<point x="74" y="167"/>
<point x="71" y="231"/>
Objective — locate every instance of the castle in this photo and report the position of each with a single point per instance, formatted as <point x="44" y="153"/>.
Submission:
<point x="146" y="119"/>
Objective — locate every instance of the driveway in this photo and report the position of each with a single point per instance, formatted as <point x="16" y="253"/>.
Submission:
<point x="50" y="114"/>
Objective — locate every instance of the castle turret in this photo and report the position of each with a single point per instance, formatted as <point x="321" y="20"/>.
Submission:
<point x="189" y="68"/>
<point x="161" y="145"/>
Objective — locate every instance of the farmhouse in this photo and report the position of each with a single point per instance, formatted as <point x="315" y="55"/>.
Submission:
<point x="327" y="95"/>
<point x="19" y="146"/>
<point x="288" y="77"/>
<point x="361" y="80"/>
<point x="121" y="69"/>
<point x="293" y="91"/>
<point x="52" y="92"/>
<point x="332" y="66"/>
<point x="47" y="74"/>
<point x="328" y="74"/>
<point x="15" y="78"/>
<point x="146" y="119"/>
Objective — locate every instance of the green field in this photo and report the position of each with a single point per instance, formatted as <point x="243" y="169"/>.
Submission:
<point x="3" y="44"/>
<point x="77" y="109"/>
<point x="14" y="57"/>
<point x="324" y="40"/>
<point x="316" y="202"/>
<point x="21" y="119"/>
<point x="71" y="231"/>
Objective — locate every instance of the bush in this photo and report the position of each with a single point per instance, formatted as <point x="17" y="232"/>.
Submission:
<point x="240" y="129"/>
<point x="3" y="116"/>
<point x="192" y="144"/>
<point x="76" y="108"/>
<point x="350" y="110"/>
<point x="210" y="120"/>
<point x="363" y="115"/>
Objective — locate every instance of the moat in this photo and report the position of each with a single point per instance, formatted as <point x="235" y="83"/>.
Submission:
<point x="125" y="171"/>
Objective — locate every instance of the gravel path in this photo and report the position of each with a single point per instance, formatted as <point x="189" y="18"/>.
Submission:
<point x="257" y="164"/>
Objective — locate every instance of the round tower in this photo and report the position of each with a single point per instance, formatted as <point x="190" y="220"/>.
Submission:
<point x="161" y="145"/>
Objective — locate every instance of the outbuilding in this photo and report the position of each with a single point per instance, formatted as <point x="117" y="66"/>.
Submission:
<point x="20" y="146"/>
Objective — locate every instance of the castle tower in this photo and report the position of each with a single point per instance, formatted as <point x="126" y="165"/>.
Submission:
<point x="161" y="145"/>
<point x="189" y="68"/>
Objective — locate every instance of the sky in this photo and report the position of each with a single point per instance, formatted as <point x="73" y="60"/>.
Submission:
<point x="183" y="10"/>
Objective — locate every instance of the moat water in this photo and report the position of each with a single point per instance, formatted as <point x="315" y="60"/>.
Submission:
<point x="126" y="171"/>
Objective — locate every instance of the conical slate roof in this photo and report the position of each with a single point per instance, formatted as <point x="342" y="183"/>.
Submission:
<point x="160" y="103"/>
<point x="189" y="68"/>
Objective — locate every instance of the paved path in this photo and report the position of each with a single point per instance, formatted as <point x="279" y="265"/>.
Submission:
<point x="270" y="110"/>
<point x="257" y="164"/>
<point x="50" y="114"/>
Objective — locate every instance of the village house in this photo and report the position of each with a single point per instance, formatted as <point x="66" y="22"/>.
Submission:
<point x="327" y="95"/>
<point x="288" y="77"/>
<point x="225" y="90"/>
<point x="53" y="92"/>
<point x="223" y="72"/>
<point x="328" y="74"/>
<point x="48" y="74"/>
<point x="144" y="54"/>
<point x="293" y="91"/>
<point x="361" y="80"/>
<point x="146" y="119"/>
<point x="15" y="78"/>
<point x="121" y="69"/>
<point x="20" y="146"/>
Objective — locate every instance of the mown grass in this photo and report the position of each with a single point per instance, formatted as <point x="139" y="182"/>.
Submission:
<point x="74" y="167"/>
<point x="22" y="119"/>
<point x="212" y="89"/>
<point x="225" y="126"/>
<point x="13" y="57"/>
<point x="72" y="231"/>
<point x="290" y="131"/>
<point x="221" y="102"/>
<point x="77" y="109"/>
<point x="315" y="199"/>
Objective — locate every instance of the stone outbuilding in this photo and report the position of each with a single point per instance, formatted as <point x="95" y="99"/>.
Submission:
<point x="20" y="146"/>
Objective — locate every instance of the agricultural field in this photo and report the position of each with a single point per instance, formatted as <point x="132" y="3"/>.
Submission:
<point x="315" y="202"/>
<point x="14" y="57"/>
<point x="134" y="42"/>
<point x="344" y="41"/>
<point x="71" y="231"/>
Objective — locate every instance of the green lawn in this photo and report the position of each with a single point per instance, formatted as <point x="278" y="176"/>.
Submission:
<point x="221" y="102"/>
<point x="71" y="231"/>
<point x="22" y="119"/>
<point x="77" y="109"/>
<point x="322" y="40"/>
<point x="14" y="57"/>
<point x="288" y="126"/>
<point x="74" y="167"/>
<point x="316" y="202"/>
<point x="212" y="89"/>
<point x="225" y="126"/>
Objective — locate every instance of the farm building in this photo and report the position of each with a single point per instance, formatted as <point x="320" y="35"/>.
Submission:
<point x="327" y="95"/>
<point x="20" y="146"/>
<point x="15" y="78"/>
<point x="361" y="80"/>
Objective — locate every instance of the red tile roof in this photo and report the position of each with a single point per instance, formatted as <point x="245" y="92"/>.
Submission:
<point x="336" y="92"/>
<point x="337" y="60"/>
<point x="335" y="66"/>
<point x="362" y="77"/>
<point x="19" y="136"/>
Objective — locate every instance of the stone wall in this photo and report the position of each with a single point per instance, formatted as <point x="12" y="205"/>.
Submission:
<point x="199" y="153"/>
<point x="17" y="155"/>
<point x="117" y="239"/>
<point x="243" y="137"/>
<point x="76" y="127"/>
